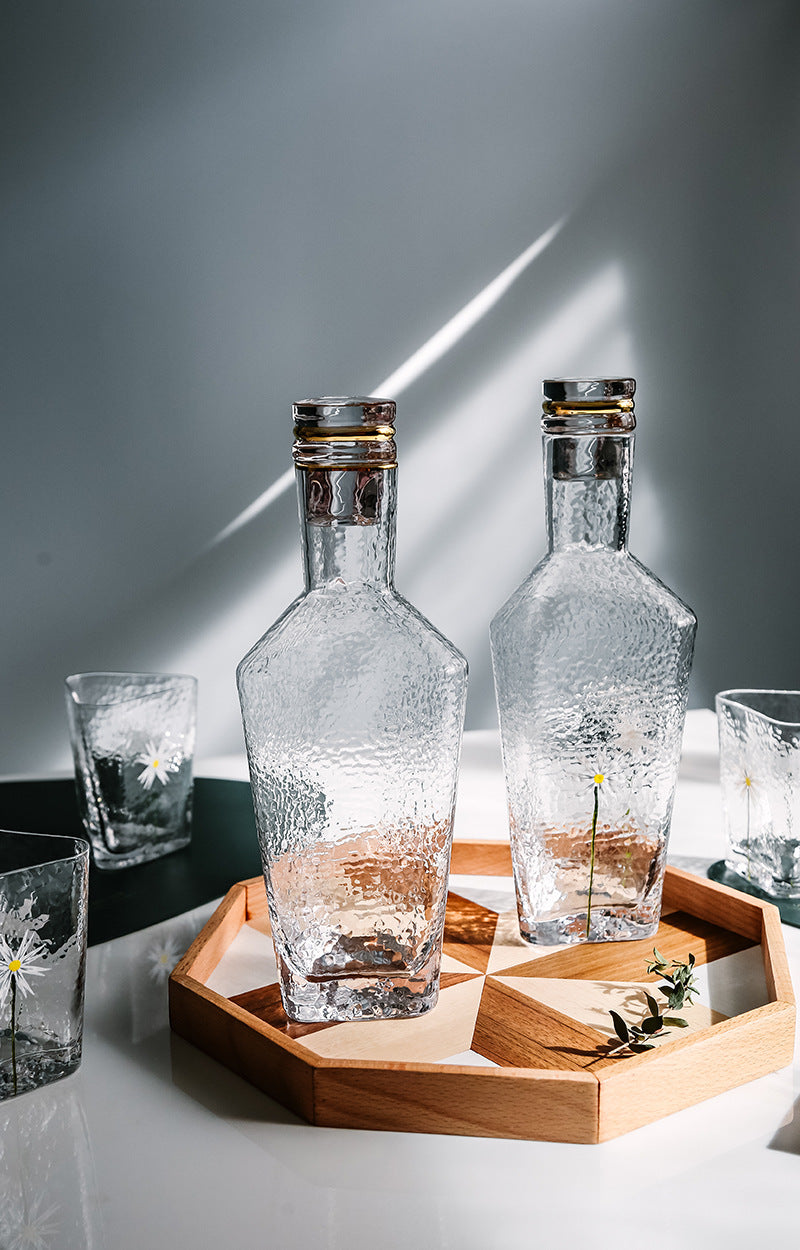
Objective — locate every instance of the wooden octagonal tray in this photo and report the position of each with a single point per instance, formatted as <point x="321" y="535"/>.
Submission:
<point x="518" y="1044"/>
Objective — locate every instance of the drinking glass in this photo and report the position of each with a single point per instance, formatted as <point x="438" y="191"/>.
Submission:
<point x="133" y="743"/>
<point x="759" y="747"/>
<point x="43" y="898"/>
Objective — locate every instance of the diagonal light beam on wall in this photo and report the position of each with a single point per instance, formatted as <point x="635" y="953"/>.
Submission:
<point x="418" y="363"/>
<point x="453" y="330"/>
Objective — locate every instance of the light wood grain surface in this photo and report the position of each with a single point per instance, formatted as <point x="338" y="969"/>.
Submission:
<point x="518" y="1044"/>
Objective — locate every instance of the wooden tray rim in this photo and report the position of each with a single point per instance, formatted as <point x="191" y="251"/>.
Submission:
<point x="778" y="983"/>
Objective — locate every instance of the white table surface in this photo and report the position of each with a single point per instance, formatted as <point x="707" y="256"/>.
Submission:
<point x="152" y="1144"/>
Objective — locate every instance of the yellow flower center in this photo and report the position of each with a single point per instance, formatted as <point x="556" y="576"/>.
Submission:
<point x="599" y="778"/>
<point x="155" y="763"/>
<point x="15" y="965"/>
<point x="748" y="782"/>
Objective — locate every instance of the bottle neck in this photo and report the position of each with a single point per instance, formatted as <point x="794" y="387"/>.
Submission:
<point x="587" y="490"/>
<point x="347" y="525"/>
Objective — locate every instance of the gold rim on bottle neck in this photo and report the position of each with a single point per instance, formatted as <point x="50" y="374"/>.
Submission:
<point x="344" y="433"/>
<point x="588" y="406"/>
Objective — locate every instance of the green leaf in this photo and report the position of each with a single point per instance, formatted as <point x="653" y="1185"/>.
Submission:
<point x="638" y="1047"/>
<point x="655" y="1010"/>
<point x="652" y="1024"/>
<point x="659" y="958"/>
<point x="620" y="1027"/>
<point x="675" y="1022"/>
<point x="691" y="960"/>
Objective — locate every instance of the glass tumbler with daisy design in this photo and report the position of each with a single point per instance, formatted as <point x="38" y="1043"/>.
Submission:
<point x="759" y="758"/>
<point x="133" y="744"/>
<point x="591" y="660"/>
<point x="43" y="900"/>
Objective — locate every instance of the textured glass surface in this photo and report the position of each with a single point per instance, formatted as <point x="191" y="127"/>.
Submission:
<point x="133" y="742"/>
<point x="43" y="899"/>
<point x="591" y="658"/>
<point x="353" y="708"/>
<point x="759" y="751"/>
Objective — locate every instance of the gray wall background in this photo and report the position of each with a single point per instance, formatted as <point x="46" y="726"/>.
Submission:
<point x="212" y="208"/>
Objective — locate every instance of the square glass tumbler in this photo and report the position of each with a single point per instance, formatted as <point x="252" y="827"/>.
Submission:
<point x="759" y="749"/>
<point x="43" y="897"/>
<point x="133" y="744"/>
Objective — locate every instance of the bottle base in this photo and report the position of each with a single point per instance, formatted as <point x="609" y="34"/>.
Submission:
<point x="605" y="925"/>
<point x="329" y="1000"/>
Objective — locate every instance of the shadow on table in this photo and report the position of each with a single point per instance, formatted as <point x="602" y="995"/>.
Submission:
<point x="223" y="850"/>
<point x="128" y="1008"/>
<point x="699" y="766"/>
<point x="220" y="1091"/>
<point x="787" y="1137"/>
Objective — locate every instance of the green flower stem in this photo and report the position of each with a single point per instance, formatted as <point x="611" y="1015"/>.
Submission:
<point x="591" y="858"/>
<point x="748" y="830"/>
<point x="14" y="1031"/>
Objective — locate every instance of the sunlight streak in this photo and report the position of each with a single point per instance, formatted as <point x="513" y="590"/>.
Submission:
<point x="253" y="510"/>
<point x="417" y="364"/>
<point x="464" y="320"/>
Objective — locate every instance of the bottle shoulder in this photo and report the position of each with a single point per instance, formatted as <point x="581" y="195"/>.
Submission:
<point x="599" y="583"/>
<point x="278" y="635"/>
<point x="415" y="624"/>
<point x="352" y="625"/>
<point x="661" y="593"/>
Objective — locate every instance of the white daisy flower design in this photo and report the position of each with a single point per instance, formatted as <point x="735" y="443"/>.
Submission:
<point x="37" y="1229"/>
<point x="598" y="771"/>
<point x="162" y="958"/>
<point x="608" y="777"/>
<point x="17" y="965"/>
<point x="631" y="737"/>
<point x="157" y="763"/>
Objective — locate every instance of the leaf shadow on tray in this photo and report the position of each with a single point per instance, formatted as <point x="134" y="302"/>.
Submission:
<point x="627" y="999"/>
<point x="630" y="1002"/>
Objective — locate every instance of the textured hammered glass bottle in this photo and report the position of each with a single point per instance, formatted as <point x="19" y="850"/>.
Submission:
<point x="591" y="660"/>
<point x="353" y="710"/>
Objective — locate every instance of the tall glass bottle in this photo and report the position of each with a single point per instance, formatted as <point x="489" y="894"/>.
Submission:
<point x="353" y="710"/>
<point x="591" y="660"/>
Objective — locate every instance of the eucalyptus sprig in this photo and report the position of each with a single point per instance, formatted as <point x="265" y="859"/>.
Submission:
<point x="679" y="985"/>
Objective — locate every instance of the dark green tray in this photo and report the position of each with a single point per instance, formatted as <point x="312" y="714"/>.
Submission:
<point x="223" y="850"/>
<point x="788" y="907"/>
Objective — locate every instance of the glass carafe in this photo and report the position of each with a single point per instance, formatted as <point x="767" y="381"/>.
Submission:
<point x="353" y="710"/>
<point x="591" y="660"/>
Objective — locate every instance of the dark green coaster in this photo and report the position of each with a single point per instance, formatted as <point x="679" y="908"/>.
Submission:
<point x="788" y="907"/>
<point x="223" y="850"/>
